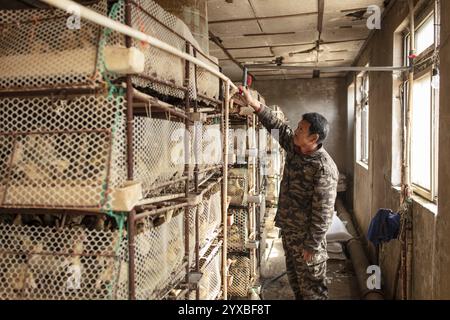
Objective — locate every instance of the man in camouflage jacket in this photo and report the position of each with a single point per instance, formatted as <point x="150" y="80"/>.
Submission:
<point x="306" y="200"/>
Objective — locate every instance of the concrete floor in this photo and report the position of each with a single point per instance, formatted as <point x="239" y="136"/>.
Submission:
<point x="342" y="282"/>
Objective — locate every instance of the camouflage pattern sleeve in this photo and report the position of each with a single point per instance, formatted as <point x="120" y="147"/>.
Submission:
<point x="324" y="197"/>
<point x="271" y="122"/>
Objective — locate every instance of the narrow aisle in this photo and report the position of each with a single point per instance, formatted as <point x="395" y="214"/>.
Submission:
<point x="342" y="282"/>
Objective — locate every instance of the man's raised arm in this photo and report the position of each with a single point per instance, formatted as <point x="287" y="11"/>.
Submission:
<point x="270" y="121"/>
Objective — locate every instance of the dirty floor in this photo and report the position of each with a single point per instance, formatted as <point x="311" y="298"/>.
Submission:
<point x="342" y="282"/>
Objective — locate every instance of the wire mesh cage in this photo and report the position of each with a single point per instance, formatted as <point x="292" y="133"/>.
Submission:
<point x="42" y="48"/>
<point x="80" y="260"/>
<point x="61" y="152"/>
<point x="238" y="185"/>
<point x="159" y="256"/>
<point x="238" y="231"/>
<point x="240" y="270"/>
<point x="64" y="152"/>
<point x="161" y="160"/>
<point x="46" y="262"/>
<point x="211" y="281"/>
<point x="152" y="19"/>
<point x="210" y="216"/>
<point x="38" y="48"/>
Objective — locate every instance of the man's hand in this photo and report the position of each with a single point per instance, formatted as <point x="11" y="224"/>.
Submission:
<point x="247" y="98"/>
<point x="308" y="255"/>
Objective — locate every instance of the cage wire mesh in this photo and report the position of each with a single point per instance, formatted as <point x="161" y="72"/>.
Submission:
<point x="159" y="256"/>
<point x="238" y="231"/>
<point x="38" y="49"/>
<point x="152" y="19"/>
<point x="211" y="145"/>
<point x="192" y="216"/>
<point x="207" y="83"/>
<point x="238" y="184"/>
<point x="210" y="216"/>
<point x="237" y="143"/>
<point x="45" y="262"/>
<point x="158" y="160"/>
<point x="240" y="270"/>
<point x="211" y="281"/>
<point x="58" y="152"/>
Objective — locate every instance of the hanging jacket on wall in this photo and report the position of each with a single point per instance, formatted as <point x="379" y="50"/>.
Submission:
<point x="384" y="226"/>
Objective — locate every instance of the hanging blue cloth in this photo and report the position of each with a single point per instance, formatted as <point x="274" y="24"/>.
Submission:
<point x="384" y="226"/>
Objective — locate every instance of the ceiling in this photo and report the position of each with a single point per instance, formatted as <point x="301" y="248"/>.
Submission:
<point x="260" y="31"/>
<point x="31" y="4"/>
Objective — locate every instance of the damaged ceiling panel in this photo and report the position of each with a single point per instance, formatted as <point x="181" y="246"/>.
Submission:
<point x="350" y="5"/>
<point x="291" y="24"/>
<point x="235" y="28"/>
<point x="266" y="8"/>
<point x="251" y="52"/>
<point x="222" y="10"/>
<point x="341" y="34"/>
<point x="312" y="33"/>
<point x="300" y="36"/>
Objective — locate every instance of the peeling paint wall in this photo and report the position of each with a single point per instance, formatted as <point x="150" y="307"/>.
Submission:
<point x="325" y="96"/>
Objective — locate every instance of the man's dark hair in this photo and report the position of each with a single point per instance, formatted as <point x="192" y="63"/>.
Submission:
<point x="319" y="125"/>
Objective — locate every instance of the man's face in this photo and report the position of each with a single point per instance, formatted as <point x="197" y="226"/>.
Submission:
<point x="302" y="138"/>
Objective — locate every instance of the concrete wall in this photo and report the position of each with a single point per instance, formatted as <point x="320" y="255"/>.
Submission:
<point x="326" y="96"/>
<point x="442" y="254"/>
<point x="373" y="187"/>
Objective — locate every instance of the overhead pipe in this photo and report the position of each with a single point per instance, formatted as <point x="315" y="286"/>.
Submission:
<point x="328" y="69"/>
<point x="224" y="195"/>
<point x="358" y="256"/>
<point x="97" y="18"/>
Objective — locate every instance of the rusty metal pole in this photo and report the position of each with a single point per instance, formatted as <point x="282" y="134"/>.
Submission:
<point x="130" y="166"/>
<point x="131" y="256"/>
<point x="197" y="248"/>
<point x="225" y="120"/>
<point x="187" y="161"/>
<point x="406" y="236"/>
<point x="196" y="182"/>
<point x="129" y="97"/>
<point x="196" y="134"/>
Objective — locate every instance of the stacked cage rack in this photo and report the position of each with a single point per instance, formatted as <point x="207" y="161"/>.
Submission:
<point x="245" y="186"/>
<point x="102" y="194"/>
<point x="271" y="171"/>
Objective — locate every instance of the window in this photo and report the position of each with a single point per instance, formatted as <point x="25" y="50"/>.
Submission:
<point x="425" y="37"/>
<point x="362" y="107"/>
<point x="424" y="117"/>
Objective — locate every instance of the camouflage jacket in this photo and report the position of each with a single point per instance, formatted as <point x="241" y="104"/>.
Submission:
<point x="308" y="188"/>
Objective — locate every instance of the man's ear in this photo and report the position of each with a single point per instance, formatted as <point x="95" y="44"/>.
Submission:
<point x="314" y="137"/>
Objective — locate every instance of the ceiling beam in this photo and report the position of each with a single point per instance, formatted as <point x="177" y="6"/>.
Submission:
<point x="293" y="44"/>
<point x="268" y="34"/>
<point x="329" y="68"/>
<point x="264" y="18"/>
<point x="218" y="43"/>
<point x="321" y="6"/>
<point x="258" y="57"/>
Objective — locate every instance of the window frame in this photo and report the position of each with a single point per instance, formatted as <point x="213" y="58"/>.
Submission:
<point x="425" y="69"/>
<point x="363" y="114"/>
